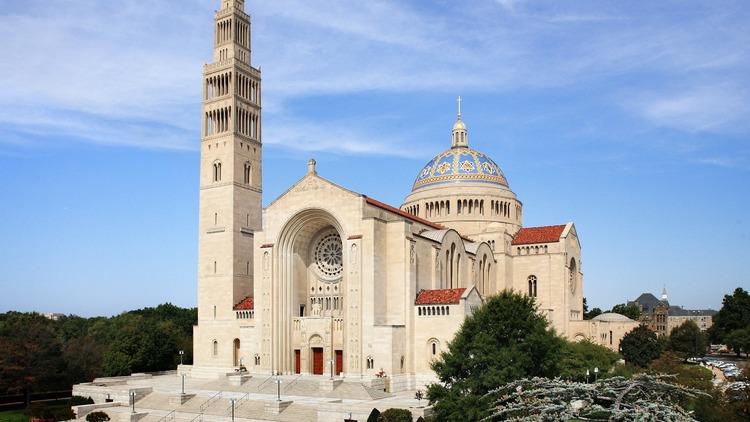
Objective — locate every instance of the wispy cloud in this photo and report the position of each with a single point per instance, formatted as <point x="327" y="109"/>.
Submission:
<point x="121" y="73"/>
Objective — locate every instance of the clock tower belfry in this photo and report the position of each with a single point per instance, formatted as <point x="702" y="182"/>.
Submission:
<point x="230" y="186"/>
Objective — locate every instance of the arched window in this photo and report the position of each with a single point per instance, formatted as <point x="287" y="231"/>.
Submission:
<point x="215" y="348"/>
<point x="532" y="285"/>
<point x="248" y="173"/>
<point x="217" y="171"/>
<point x="434" y="349"/>
<point x="257" y="359"/>
<point x="370" y="362"/>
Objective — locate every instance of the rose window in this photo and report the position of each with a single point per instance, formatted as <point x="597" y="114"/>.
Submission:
<point x="328" y="256"/>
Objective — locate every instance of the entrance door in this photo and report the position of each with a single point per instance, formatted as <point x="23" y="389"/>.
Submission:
<point x="339" y="362"/>
<point x="297" y="362"/>
<point x="317" y="360"/>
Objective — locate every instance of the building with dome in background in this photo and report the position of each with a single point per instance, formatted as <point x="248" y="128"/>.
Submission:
<point x="330" y="282"/>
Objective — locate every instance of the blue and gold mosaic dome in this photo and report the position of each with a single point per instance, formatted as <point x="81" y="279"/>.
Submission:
<point x="460" y="165"/>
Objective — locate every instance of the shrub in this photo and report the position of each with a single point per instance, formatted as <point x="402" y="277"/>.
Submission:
<point x="395" y="415"/>
<point x="97" y="417"/>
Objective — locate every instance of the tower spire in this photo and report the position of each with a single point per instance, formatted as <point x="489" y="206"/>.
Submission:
<point x="460" y="136"/>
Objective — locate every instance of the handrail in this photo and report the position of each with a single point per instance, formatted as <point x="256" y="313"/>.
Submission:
<point x="288" y="386"/>
<point x="237" y="403"/>
<point x="264" y="382"/>
<point x="208" y="402"/>
<point x="198" y="418"/>
<point x="168" y="417"/>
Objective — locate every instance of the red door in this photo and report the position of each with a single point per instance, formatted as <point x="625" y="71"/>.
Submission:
<point x="339" y="362"/>
<point x="297" y="363"/>
<point x="317" y="360"/>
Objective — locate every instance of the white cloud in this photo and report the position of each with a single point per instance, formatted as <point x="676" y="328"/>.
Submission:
<point x="709" y="108"/>
<point x="122" y="73"/>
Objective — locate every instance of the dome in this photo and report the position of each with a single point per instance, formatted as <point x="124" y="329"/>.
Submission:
<point x="612" y="317"/>
<point x="460" y="165"/>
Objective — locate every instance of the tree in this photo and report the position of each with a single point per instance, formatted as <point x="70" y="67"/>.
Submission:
<point x="30" y="354"/>
<point x="643" y="397"/>
<point x="733" y="315"/>
<point x="640" y="346"/>
<point x="631" y="311"/>
<point x="739" y="341"/>
<point x="580" y="356"/>
<point x="141" y="345"/>
<point x="592" y="313"/>
<point x="374" y="415"/>
<point x="97" y="417"/>
<point x="504" y="340"/>
<point x="687" y="341"/>
<point x="395" y="415"/>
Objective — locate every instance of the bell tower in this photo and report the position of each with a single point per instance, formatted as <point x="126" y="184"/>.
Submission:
<point x="230" y="184"/>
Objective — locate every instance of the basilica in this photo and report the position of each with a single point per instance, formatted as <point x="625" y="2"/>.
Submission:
<point x="332" y="282"/>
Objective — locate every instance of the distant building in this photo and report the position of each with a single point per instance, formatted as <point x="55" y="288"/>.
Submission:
<point x="661" y="317"/>
<point x="54" y="316"/>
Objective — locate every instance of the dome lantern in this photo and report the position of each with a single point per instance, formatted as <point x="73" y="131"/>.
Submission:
<point x="460" y="136"/>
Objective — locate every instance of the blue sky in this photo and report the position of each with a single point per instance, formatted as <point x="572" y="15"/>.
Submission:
<point x="631" y="119"/>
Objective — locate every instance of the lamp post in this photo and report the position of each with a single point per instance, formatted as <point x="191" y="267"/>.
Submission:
<point x="182" y="353"/>
<point x="183" y="383"/>
<point x="132" y="400"/>
<point x="587" y="376"/>
<point x="232" y="400"/>
<point x="596" y="372"/>
<point x="278" y="389"/>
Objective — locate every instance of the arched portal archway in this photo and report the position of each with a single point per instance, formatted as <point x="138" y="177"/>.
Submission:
<point x="308" y="288"/>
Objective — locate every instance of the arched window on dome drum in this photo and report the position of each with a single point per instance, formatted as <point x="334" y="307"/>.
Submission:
<point x="532" y="285"/>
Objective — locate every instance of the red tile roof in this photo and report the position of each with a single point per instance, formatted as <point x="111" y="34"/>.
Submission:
<point x="405" y="214"/>
<point x="246" y="304"/>
<point x="546" y="234"/>
<point x="439" y="297"/>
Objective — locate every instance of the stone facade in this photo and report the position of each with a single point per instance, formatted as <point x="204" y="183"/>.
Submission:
<point x="326" y="281"/>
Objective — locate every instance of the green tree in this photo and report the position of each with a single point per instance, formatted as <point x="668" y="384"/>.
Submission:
<point x="580" y="356"/>
<point x="395" y="415"/>
<point x="141" y="345"/>
<point x="687" y="341"/>
<point x="640" y="346"/>
<point x="590" y="314"/>
<point x="631" y="311"/>
<point x="505" y="339"/>
<point x="733" y="315"/>
<point x="30" y="354"/>
<point x="374" y="415"/>
<point x="739" y="341"/>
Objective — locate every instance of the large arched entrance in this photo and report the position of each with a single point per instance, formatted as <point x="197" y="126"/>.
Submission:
<point x="309" y="294"/>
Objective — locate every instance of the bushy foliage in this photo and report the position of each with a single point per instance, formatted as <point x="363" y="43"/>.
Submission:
<point x="644" y="397"/>
<point x="395" y="415"/>
<point x="79" y="401"/>
<point x="580" y="356"/>
<point x="739" y="341"/>
<point x="504" y="340"/>
<point x="40" y="354"/>
<point x="640" y="346"/>
<point x="374" y="415"/>
<point x="97" y="417"/>
<point x="30" y="354"/>
<point x="631" y="311"/>
<point x="733" y="315"/>
<point x="687" y="341"/>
